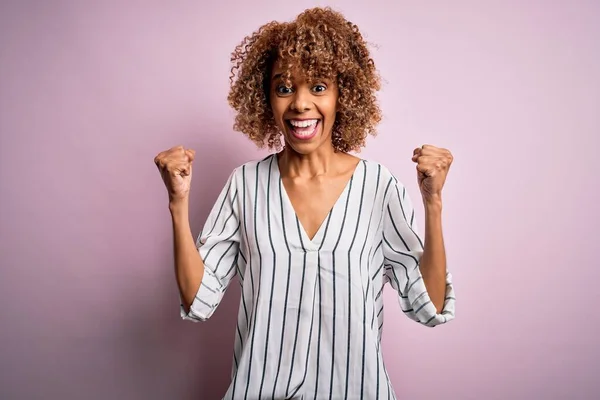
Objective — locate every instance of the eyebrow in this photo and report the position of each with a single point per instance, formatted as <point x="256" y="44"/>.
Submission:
<point x="277" y="76"/>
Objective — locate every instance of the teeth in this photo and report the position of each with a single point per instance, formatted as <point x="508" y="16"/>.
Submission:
<point x="303" y="124"/>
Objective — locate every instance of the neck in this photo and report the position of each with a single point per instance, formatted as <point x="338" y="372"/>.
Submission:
<point x="317" y="163"/>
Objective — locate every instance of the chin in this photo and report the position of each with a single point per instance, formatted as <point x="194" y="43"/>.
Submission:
<point x="305" y="148"/>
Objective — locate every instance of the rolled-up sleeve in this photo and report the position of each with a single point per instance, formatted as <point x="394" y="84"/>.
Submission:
<point x="402" y="251"/>
<point x="218" y="245"/>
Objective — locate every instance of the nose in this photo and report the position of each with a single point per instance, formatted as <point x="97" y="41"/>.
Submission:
<point x="301" y="101"/>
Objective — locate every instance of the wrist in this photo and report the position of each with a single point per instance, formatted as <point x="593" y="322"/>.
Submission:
<point x="433" y="203"/>
<point x="179" y="207"/>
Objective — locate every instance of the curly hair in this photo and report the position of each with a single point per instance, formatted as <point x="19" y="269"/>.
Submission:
<point x="322" y="44"/>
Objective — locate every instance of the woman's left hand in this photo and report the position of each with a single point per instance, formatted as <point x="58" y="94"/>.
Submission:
<point x="433" y="164"/>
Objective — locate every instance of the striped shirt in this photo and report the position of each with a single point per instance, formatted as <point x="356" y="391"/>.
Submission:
<point x="311" y="312"/>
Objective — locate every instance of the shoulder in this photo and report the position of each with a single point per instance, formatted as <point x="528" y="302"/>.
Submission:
<point x="390" y="186"/>
<point x="249" y="169"/>
<point x="384" y="174"/>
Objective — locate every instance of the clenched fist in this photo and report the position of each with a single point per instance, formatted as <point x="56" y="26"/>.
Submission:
<point x="433" y="164"/>
<point x="175" y="166"/>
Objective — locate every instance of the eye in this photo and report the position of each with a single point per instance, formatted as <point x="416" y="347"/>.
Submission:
<point x="282" y="89"/>
<point x="319" y="88"/>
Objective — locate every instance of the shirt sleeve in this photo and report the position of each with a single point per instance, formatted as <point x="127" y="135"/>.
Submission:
<point x="402" y="251"/>
<point x="218" y="245"/>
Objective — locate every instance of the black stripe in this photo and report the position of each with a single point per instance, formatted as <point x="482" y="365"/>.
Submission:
<point x="299" y="309"/>
<point x="362" y="195"/>
<point x="385" y="194"/>
<point x="208" y="287"/>
<point x="394" y="279"/>
<point x="377" y="271"/>
<point x="243" y="286"/>
<point x="412" y="284"/>
<point x="388" y="383"/>
<point x="248" y="266"/>
<point x="366" y="294"/>
<point x="204" y="302"/>
<point x="398" y="232"/>
<point x="249" y="262"/>
<point x="225" y="197"/>
<point x="421" y="306"/>
<point x="380" y="292"/>
<point x="405" y="220"/>
<point x="286" y="292"/>
<point x="257" y="297"/>
<point x="312" y="320"/>
<point x="287" y="287"/>
<point x="398" y="262"/>
<point x="238" y="267"/>
<point x="221" y="241"/>
<point x="371" y="255"/>
<point x="268" y="195"/>
<point x="333" y="284"/>
<point x="228" y="274"/>
<point x="231" y="215"/>
<point x="320" y="305"/>
<point x="377" y="388"/>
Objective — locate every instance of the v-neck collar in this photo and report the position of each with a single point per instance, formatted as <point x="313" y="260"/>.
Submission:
<point x="317" y="241"/>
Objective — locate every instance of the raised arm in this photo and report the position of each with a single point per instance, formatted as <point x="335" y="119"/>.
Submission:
<point x="433" y="164"/>
<point x="417" y="268"/>
<point x="175" y="166"/>
<point x="203" y="268"/>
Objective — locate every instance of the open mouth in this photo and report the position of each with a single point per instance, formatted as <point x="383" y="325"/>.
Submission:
<point x="303" y="129"/>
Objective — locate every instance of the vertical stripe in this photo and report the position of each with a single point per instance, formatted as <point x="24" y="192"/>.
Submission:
<point x="320" y="305"/>
<point x="287" y="292"/>
<point x="333" y="258"/>
<point x="373" y="317"/>
<point x="299" y="309"/>
<point x="248" y="265"/>
<point x="273" y="272"/>
<point x="225" y="197"/>
<point x="368" y="274"/>
<point x="257" y="298"/>
<point x="360" y="206"/>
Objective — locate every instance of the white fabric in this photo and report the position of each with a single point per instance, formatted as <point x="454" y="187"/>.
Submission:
<point x="311" y="313"/>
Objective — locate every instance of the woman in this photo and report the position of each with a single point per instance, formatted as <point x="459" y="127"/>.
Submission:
<point x="312" y="232"/>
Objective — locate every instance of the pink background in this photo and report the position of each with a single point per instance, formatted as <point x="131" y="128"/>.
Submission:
<point x="91" y="92"/>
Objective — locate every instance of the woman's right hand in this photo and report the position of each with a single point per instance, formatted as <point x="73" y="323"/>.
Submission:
<point x="175" y="166"/>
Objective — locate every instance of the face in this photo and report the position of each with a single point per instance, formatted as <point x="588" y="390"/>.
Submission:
<point x="304" y="111"/>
